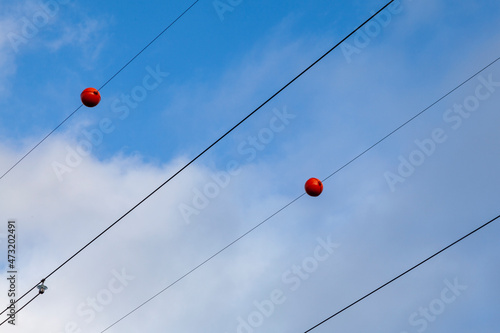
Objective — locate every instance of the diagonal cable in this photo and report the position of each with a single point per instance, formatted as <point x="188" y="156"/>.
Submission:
<point x="109" y="80"/>
<point x="14" y="314"/>
<point x="213" y="144"/>
<point x="300" y="196"/>
<point x="402" y="274"/>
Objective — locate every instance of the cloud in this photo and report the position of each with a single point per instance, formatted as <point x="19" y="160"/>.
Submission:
<point x="88" y="35"/>
<point x="55" y="219"/>
<point x="7" y="56"/>
<point x="340" y="111"/>
<point x="33" y="26"/>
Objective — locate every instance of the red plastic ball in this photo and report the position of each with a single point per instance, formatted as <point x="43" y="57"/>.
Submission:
<point x="314" y="187"/>
<point x="90" y="97"/>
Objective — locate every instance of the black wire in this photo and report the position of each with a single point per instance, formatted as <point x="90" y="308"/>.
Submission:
<point x="112" y="77"/>
<point x="300" y="196"/>
<point x="402" y="274"/>
<point x="203" y="263"/>
<point x="297" y="198"/>
<point x="41" y="141"/>
<point x="17" y="300"/>
<point x="217" y="253"/>
<point x="154" y="39"/>
<point x="211" y="145"/>
<point x="414" y="117"/>
<point x="10" y="316"/>
<point x="57" y="127"/>
<point x="217" y="141"/>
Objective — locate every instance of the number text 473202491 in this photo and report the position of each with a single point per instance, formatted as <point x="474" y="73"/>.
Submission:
<point x="12" y="270"/>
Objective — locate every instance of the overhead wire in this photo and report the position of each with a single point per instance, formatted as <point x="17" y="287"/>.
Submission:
<point x="300" y="196"/>
<point x="202" y="263"/>
<point x="402" y="274"/>
<point x="352" y="160"/>
<point x="105" y="84"/>
<point x="211" y="145"/>
<point x="12" y="316"/>
<point x="414" y="117"/>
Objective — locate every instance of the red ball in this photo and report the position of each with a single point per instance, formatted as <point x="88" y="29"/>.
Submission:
<point x="90" y="97"/>
<point x="314" y="187"/>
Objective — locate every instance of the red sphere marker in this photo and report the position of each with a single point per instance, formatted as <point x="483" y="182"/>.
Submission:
<point x="90" y="97"/>
<point x="314" y="187"/>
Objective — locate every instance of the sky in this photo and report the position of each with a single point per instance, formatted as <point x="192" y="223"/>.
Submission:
<point x="427" y="185"/>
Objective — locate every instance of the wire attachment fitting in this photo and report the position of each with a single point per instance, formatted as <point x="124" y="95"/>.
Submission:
<point x="41" y="287"/>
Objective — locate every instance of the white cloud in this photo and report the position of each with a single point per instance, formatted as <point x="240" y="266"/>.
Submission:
<point x="381" y="233"/>
<point x="153" y="243"/>
<point x="34" y="26"/>
<point x="7" y="56"/>
<point x="88" y="35"/>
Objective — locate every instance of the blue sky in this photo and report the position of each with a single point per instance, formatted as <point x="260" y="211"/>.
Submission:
<point x="421" y="189"/>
